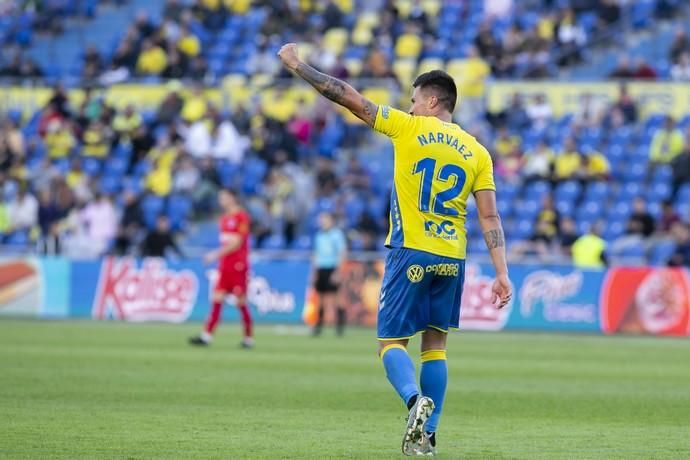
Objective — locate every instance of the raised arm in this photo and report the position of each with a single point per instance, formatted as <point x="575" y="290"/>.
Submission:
<point x="330" y="87"/>
<point x="490" y="223"/>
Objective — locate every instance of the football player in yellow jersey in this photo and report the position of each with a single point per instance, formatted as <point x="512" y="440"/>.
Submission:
<point x="437" y="166"/>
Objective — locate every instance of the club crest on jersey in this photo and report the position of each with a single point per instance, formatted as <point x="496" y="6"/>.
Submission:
<point x="444" y="230"/>
<point x="415" y="273"/>
<point x="385" y="112"/>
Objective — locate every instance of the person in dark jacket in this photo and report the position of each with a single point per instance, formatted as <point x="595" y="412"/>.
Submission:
<point x="159" y="240"/>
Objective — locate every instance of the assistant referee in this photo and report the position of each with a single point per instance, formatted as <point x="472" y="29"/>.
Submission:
<point x="330" y="248"/>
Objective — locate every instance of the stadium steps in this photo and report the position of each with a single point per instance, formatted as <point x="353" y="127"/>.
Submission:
<point x="58" y="55"/>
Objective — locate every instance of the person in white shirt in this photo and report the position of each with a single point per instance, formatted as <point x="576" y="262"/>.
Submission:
<point x="681" y="70"/>
<point x="539" y="112"/>
<point x="23" y="211"/>
<point x="100" y="221"/>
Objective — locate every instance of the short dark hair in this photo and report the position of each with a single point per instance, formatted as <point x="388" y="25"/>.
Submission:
<point x="440" y="83"/>
<point x="230" y="191"/>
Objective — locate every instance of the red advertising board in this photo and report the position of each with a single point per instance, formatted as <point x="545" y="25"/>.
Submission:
<point x="646" y="300"/>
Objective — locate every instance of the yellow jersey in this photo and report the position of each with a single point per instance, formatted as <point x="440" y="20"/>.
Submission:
<point x="436" y="167"/>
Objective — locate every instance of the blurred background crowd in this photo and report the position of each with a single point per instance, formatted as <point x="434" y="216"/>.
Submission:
<point x="87" y="175"/>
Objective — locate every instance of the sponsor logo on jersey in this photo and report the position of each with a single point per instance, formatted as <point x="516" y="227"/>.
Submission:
<point x="444" y="230"/>
<point x="415" y="273"/>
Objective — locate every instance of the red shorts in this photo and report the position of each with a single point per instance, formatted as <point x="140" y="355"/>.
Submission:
<point x="233" y="281"/>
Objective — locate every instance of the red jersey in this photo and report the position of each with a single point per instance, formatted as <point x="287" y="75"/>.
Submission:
<point x="237" y="223"/>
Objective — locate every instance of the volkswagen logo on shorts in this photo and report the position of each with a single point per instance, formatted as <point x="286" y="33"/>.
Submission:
<point x="415" y="273"/>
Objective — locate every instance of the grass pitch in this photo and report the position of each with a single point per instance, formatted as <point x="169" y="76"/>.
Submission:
<point x="109" y="390"/>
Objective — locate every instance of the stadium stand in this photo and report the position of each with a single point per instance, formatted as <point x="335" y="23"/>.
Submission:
<point x="87" y="167"/>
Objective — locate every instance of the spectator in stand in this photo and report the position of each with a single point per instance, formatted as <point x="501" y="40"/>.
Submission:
<point x="608" y="12"/>
<point x="188" y="43"/>
<point x="131" y="222"/>
<point x="623" y="69"/>
<point x="326" y="178"/>
<point x="176" y="67"/>
<point x="515" y="116"/>
<point x="171" y="106"/>
<point x="667" y="143"/>
<point x="23" y="211"/>
<point x="159" y="240"/>
<point x="597" y="166"/>
<point x="568" y="236"/>
<point x="93" y="64"/>
<point x="142" y="142"/>
<point x="152" y="59"/>
<point x="377" y="66"/>
<point x="680" y="45"/>
<point x="680" y="166"/>
<point x="589" y="112"/>
<point x="589" y="250"/>
<point x="680" y="71"/>
<point x="486" y="44"/>
<point x="681" y="236"/>
<point x="545" y="234"/>
<point x="571" y="38"/>
<point x="539" y="112"/>
<point x="159" y="180"/>
<point x="538" y="163"/>
<point x="644" y="71"/>
<point x="100" y="221"/>
<point x="356" y="176"/>
<point x="509" y="167"/>
<point x="205" y="195"/>
<point x="626" y="104"/>
<point x="641" y="221"/>
<point x="264" y="61"/>
<point x="12" y="143"/>
<point x="195" y="105"/>
<point x="505" y="142"/>
<point x="640" y="227"/>
<point x="126" y="123"/>
<point x="96" y="140"/>
<point x="185" y="176"/>
<point x="568" y="163"/>
<point x="668" y="218"/>
<point x="59" y="140"/>
<point x="49" y="216"/>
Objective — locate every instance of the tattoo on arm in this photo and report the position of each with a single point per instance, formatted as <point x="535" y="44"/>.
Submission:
<point x="494" y="239"/>
<point x="330" y="87"/>
<point x="370" y="110"/>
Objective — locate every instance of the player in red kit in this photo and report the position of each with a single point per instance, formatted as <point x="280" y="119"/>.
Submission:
<point x="233" y="268"/>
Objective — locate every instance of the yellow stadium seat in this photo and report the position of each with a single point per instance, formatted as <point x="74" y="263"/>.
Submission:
<point x="335" y="40"/>
<point x="305" y="49"/>
<point x="404" y="7"/>
<point x="367" y="20"/>
<point x="456" y="69"/>
<point x="261" y="80"/>
<point x="345" y="5"/>
<point x="361" y="36"/>
<point x="234" y="80"/>
<point x="378" y="95"/>
<point x="430" y="64"/>
<point x="408" y="45"/>
<point x="404" y="70"/>
<point x="353" y="66"/>
<point x="431" y="7"/>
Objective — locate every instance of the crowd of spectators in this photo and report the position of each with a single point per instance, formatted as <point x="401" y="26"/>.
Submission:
<point x="189" y="39"/>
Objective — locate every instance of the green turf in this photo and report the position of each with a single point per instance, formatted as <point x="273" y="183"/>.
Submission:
<point x="106" y="390"/>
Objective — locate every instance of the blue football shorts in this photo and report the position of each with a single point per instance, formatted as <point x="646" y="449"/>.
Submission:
<point x="420" y="290"/>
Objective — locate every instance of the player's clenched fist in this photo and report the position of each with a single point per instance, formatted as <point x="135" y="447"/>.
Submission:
<point x="288" y="54"/>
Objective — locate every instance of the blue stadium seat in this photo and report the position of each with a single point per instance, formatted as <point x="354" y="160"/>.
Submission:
<point x="597" y="191"/>
<point x="565" y="207"/>
<point x="151" y="207"/>
<point x="568" y="191"/>
<point x="116" y="166"/>
<point x="110" y="184"/>
<point x="527" y="208"/>
<point x="274" y="242"/>
<point x="662" y="252"/>
<point x="302" y="243"/>
<point x="614" y="229"/>
<point x="659" y="191"/>
<point x="590" y="211"/>
<point x="537" y="190"/>
<point x="179" y="209"/>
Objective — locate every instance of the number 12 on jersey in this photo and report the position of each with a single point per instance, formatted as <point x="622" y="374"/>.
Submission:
<point x="449" y="173"/>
